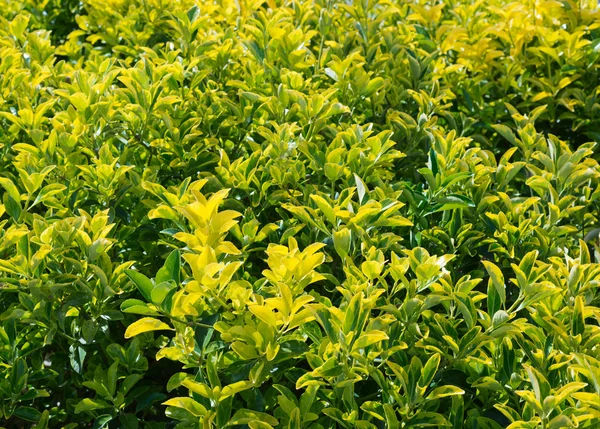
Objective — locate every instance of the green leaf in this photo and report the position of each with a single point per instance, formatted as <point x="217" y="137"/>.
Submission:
<point x="452" y="202"/>
<point x="43" y="421"/>
<point x="467" y="308"/>
<point x="13" y="208"/>
<point x="433" y="162"/>
<point x="427" y="419"/>
<point x="429" y="370"/>
<point x="560" y="422"/>
<point x="176" y="380"/>
<point x="342" y="240"/>
<point x="390" y="417"/>
<point x="111" y="378"/>
<point x="28" y="414"/>
<point x="143" y="283"/>
<point x="244" y="417"/>
<point x="505" y="132"/>
<point x="161" y="291"/>
<point x="129" y="421"/>
<point x="87" y="404"/>
<point x="47" y="192"/>
<point x="129" y="382"/>
<point x="135" y="306"/>
<point x="19" y="375"/>
<point x="578" y="320"/>
<point x="443" y="391"/>
<point x="171" y="269"/>
<point x="101" y="421"/>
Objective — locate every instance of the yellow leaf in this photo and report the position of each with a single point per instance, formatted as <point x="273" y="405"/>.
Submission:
<point x="146" y="324"/>
<point x="541" y="95"/>
<point x="11" y="189"/>
<point x="264" y="314"/>
<point x="234" y="388"/>
<point x="187" y="404"/>
<point x="79" y="100"/>
<point x="172" y="353"/>
<point x="325" y="207"/>
<point x="276" y="32"/>
<point x="369" y="339"/>
<point x="198" y="387"/>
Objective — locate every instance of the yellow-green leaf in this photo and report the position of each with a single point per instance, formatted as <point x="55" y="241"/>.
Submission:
<point x="146" y="324"/>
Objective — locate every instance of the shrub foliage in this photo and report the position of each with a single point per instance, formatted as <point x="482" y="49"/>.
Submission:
<point x="299" y="214"/>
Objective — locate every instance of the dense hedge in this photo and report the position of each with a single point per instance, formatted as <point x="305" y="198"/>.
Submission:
<point x="299" y="214"/>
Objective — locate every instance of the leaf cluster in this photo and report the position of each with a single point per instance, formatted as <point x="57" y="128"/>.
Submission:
<point x="301" y="215"/>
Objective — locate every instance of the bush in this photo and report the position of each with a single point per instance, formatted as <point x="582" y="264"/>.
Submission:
<point x="303" y="214"/>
